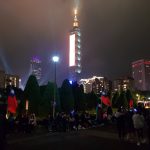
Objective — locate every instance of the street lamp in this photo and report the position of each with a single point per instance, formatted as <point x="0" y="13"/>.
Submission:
<point x="55" y="60"/>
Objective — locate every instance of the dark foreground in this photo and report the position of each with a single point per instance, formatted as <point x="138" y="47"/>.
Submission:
<point x="89" y="139"/>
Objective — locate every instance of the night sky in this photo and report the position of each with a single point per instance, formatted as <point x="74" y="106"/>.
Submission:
<point x="114" y="33"/>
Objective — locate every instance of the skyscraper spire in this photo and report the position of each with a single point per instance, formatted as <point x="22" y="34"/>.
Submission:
<point x="75" y="23"/>
<point x="75" y="66"/>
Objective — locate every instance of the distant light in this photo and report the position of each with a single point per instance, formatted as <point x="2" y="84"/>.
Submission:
<point x="12" y="91"/>
<point x="149" y="98"/>
<point x="75" y="12"/>
<point x="71" y="82"/>
<point x="27" y="105"/>
<point x="103" y="93"/>
<point x="55" y="58"/>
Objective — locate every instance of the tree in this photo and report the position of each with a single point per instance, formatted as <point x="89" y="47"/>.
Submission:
<point x="115" y="99"/>
<point x="32" y="93"/>
<point x="81" y="104"/>
<point x="66" y="96"/>
<point x="91" y="100"/>
<point x="122" y="100"/>
<point x="79" y="97"/>
<point x="47" y="99"/>
<point x="47" y="93"/>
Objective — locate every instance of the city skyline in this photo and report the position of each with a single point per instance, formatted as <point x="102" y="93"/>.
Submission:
<point x="114" y="34"/>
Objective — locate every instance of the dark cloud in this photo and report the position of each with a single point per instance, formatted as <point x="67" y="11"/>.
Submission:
<point x="114" y="33"/>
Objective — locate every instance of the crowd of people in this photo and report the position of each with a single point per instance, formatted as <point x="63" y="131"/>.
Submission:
<point x="70" y="121"/>
<point x="130" y="123"/>
<point x="133" y="124"/>
<point x="62" y="122"/>
<point x="24" y="123"/>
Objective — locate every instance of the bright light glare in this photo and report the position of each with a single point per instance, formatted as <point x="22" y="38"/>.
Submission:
<point x="55" y="58"/>
<point x="72" y="50"/>
<point x="71" y="82"/>
<point x="75" y="11"/>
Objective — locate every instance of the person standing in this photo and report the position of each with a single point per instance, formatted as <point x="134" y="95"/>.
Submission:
<point x="138" y="122"/>
<point x="120" y="117"/>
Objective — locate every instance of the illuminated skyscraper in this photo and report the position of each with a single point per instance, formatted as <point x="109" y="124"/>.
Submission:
<point x="75" y="50"/>
<point x="36" y="67"/>
<point x="8" y="80"/>
<point x="141" y="74"/>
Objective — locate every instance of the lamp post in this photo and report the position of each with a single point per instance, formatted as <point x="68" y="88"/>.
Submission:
<point x="55" y="60"/>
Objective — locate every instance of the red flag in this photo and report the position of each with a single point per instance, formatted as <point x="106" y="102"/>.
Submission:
<point x="106" y="100"/>
<point x="131" y="103"/>
<point x="12" y="104"/>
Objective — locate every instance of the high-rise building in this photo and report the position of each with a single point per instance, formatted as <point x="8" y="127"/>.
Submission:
<point x="11" y="80"/>
<point x="36" y="67"/>
<point x="75" y="50"/>
<point x="8" y="80"/>
<point x="122" y="84"/>
<point x="141" y="74"/>
<point x="96" y="84"/>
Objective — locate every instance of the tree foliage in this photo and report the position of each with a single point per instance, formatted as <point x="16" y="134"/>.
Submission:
<point x="47" y="98"/>
<point x="122" y="99"/>
<point x="66" y="96"/>
<point x="91" y="100"/>
<point x="79" y="96"/>
<point x="115" y="99"/>
<point x="32" y="93"/>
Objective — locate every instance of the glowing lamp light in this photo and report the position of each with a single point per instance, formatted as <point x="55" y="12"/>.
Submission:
<point x="71" y="82"/>
<point x="75" y="12"/>
<point x="55" y="58"/>
<point x="27" y="105"/>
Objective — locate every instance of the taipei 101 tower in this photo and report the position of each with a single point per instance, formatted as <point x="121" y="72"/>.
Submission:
<point x="75" y="50"/>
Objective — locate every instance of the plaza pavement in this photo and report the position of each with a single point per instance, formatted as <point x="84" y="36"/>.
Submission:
<point x="101" y="136"/>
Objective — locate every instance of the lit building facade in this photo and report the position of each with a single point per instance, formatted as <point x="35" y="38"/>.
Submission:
<point x="75" y="67"/>
<point x="12" y="80"/>
<point x="36" y="67"/>
<point x="96" y="84"/>
<point x="141" y="74"/>
<point x="8" y="80"/>
<point x="122" y="84"/>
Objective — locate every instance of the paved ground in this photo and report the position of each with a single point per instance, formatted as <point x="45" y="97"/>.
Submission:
<point x="95" y="139"/>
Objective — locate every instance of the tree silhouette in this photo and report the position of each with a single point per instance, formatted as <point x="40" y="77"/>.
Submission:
<point x="32" y="93"/>
<point x="66" y="96"/>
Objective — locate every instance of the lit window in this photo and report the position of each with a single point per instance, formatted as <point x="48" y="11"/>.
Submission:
<point x="79" y="65"/>
<point x="79" y="34"/>
<point x="79" y="58"/>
